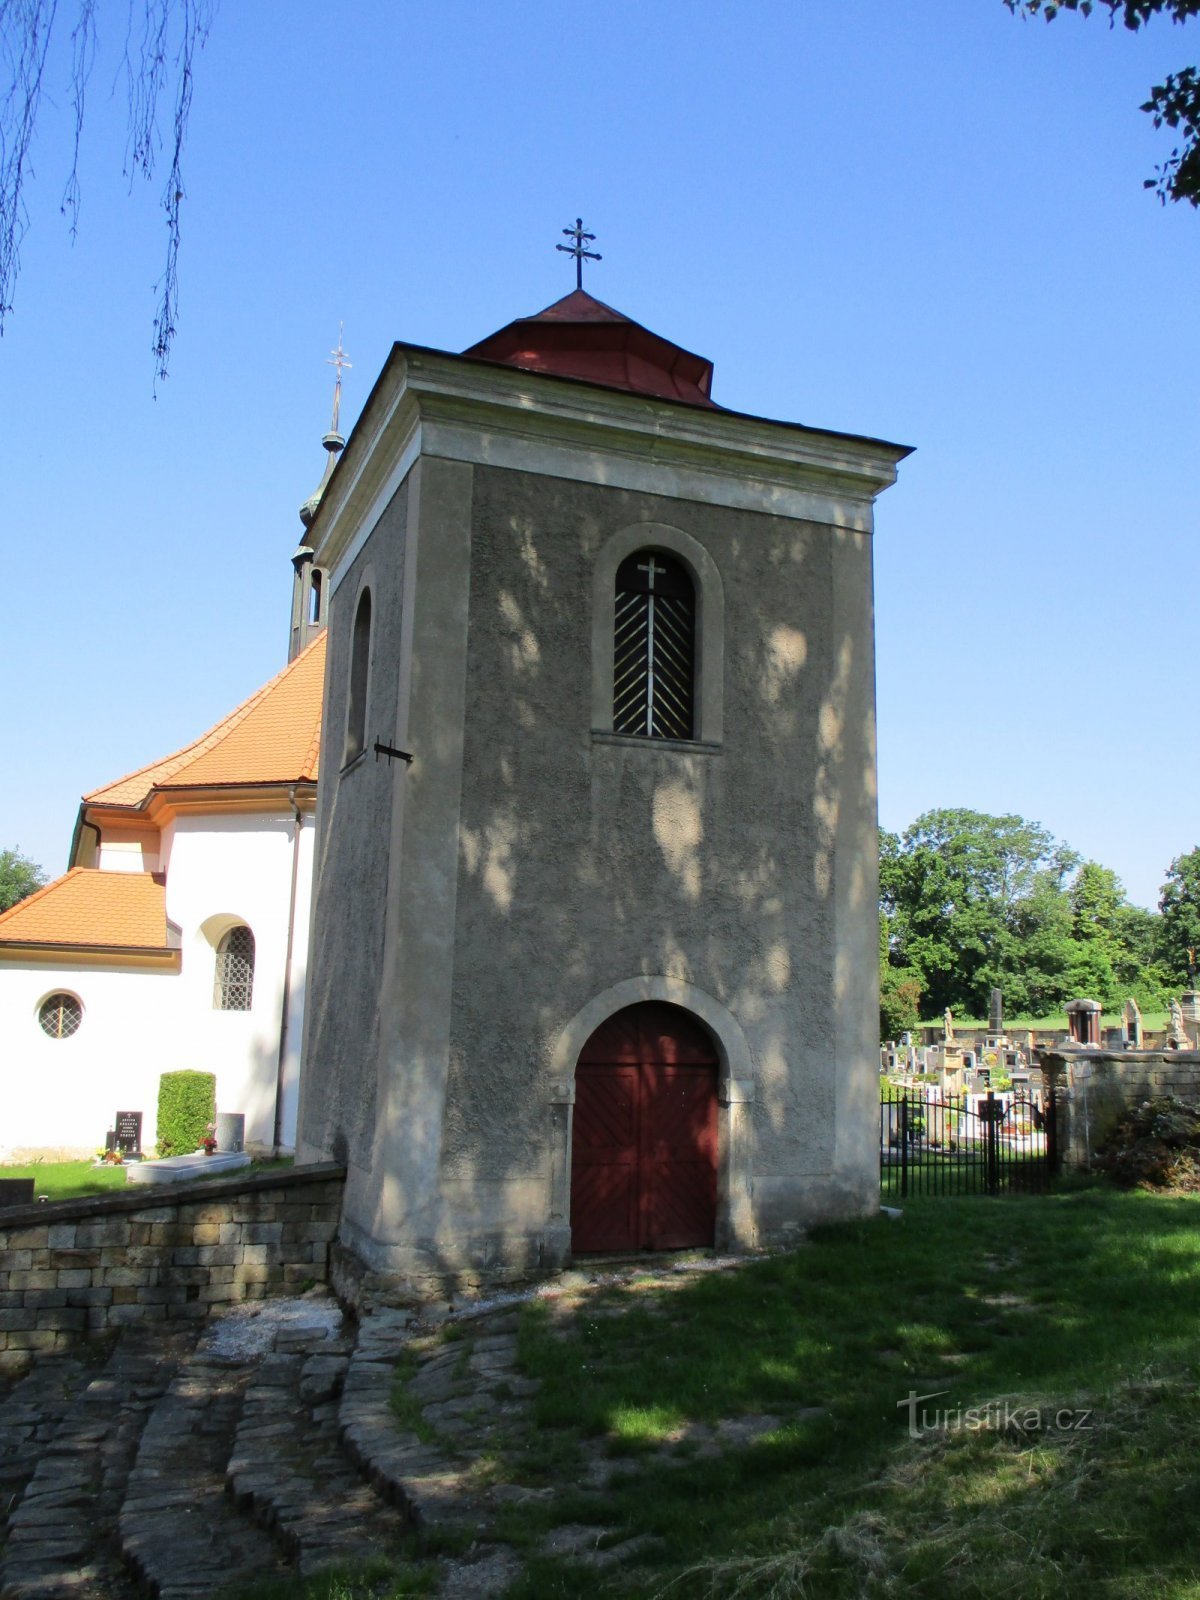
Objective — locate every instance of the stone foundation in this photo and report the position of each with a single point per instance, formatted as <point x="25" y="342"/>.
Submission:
<point x="70" y="1268"/>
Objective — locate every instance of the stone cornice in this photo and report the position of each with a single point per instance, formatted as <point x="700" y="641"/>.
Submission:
<point x="431" y="403"/>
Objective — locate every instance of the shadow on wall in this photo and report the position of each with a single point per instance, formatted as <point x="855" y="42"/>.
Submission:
<point x="585" y="862"/>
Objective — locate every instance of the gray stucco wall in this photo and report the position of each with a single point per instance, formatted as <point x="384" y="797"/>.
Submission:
<point x="585" y="862"/>
<point x="471" y="906"/>
<point x="337" y="1090"/>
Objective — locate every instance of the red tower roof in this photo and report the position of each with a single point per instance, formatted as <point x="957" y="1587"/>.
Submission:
<point x="580" y="337"/>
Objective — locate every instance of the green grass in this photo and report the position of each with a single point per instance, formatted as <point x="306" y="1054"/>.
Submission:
<point x="1056" y="1021"/>
<point x="1086" y="1300"/>
<point x="71" y="1180"/>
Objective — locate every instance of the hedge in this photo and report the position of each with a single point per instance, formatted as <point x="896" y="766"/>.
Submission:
<point x="187" y="1103"/>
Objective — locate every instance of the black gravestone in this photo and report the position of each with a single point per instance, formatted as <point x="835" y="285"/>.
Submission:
<point x="110" y="1141"/>
<point x="16" y="1191"/>
<point x="129" y="1132"/>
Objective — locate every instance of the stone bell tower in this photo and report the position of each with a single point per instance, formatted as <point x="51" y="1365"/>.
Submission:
<point x="595" y="961"/>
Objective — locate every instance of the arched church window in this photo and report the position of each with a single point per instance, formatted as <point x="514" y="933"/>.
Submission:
<point x="654" y="647"/>
<point x="233" y="984"/>
<point x="60" y="1015"/>
<point x="360" y="659"/>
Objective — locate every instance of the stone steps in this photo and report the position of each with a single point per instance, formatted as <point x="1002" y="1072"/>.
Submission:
<point x="288" y="1471"/>
<point x="178" y="1528"/>
<point x="59" y="1538"/>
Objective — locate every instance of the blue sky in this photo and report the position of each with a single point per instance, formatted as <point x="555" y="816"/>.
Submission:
<point x="922" y="222"/>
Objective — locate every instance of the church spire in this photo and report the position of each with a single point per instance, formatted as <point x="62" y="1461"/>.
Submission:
<point x="333" y="441"/>
<point x="308" y="585"/>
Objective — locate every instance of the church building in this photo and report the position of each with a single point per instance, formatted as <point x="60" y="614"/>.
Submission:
<point x="595" y="939"/>
<point x="179" y="934"/>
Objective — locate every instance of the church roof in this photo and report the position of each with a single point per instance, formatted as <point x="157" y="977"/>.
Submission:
<point x="580" y="337"/>
<point x="94" y="909"/>
<point x="273" y="737"/>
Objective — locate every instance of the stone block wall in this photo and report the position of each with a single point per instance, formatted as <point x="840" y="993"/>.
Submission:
<point x="1100" y="1086"/>
<point x="73" y="1267"/>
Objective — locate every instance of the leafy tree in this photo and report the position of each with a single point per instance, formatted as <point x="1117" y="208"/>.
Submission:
<point x="19" y="876"/>
<point x="973" y="901"/>
<point x="1179" y="903"/>
<point x="899" y="992"/>
<point x="162" y="38"/>
<point x="1174" y="103"/>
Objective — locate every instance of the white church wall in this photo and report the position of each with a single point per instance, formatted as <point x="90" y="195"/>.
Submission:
<point x="234" y="869"/>
<point x="60" y="1095"/>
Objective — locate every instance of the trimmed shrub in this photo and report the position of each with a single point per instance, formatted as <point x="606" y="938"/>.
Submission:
<point x="187" y="1103"/>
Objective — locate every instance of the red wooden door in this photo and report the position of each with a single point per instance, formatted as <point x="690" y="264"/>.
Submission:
<point x="644" y="1152"/>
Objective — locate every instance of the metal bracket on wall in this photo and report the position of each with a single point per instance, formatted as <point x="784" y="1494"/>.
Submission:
<point x="391" y="752"/>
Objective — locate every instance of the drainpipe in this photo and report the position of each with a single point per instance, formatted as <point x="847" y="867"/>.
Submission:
<point x="277" y="1133"/>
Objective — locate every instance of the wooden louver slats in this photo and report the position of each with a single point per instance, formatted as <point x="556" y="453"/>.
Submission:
<point x="654" y="648"/>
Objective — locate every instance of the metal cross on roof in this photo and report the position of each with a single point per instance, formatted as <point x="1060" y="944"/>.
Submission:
<point x="337" y="358"/>
<point x="577" y="233"/>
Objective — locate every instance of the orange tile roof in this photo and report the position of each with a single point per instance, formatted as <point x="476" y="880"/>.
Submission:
<point x="88" y="907"/>
<point x="274" y="737"/>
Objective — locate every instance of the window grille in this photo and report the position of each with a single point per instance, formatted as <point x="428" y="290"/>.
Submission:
<point x="60" y="1015"/>
<point x="233" y="987"/>
<point x="654" y="654"/>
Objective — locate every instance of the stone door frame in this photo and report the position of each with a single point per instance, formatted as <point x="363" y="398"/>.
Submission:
<point x="735" y="1097"/>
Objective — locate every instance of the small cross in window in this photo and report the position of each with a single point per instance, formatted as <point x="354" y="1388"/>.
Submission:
<point x="650" y="568"/>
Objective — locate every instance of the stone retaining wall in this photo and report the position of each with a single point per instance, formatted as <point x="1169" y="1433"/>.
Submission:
<point x="1100" y="1086"/>
<point x="72" y="1267"/>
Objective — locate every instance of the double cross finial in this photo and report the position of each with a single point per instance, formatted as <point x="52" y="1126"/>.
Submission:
<point x="337" y="359"/>
<point x="581" y="255"/>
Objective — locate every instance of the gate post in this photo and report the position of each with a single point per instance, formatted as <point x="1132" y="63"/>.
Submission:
<point x="1053" y="1153"/>
<point x="993" y="1164"/>
<point x="903" y="1144"/>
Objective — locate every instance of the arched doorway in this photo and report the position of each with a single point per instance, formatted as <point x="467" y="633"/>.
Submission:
<point x="644" y="1145"/>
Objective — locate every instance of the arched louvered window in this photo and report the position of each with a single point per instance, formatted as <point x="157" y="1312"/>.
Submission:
<point x="360" y="661"/>
<point x="233" y="985"/>
<point x="654" y="654"/>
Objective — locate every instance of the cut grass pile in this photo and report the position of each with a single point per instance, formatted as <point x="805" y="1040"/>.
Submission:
<point x="1080" y="1302"/>
<point x="72" y="1180"/>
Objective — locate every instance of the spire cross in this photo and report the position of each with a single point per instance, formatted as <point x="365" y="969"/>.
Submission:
<point x="581" y="255"/>
<point x="337" y="358"/>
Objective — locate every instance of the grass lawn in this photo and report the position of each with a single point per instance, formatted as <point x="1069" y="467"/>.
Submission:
<point x="1079" y="1309"/>
<point x="1152" y="1022"/>
<point x="69" y="1180"/>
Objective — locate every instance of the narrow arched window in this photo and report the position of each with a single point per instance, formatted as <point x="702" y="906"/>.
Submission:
<point x="654" y="647"/>
<point x="233" y="984"/>
<point x="360" y="659"/>
<point x="314" y="597"/>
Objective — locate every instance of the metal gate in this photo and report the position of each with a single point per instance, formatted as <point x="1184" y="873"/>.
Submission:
<point x="933" y="1143"/>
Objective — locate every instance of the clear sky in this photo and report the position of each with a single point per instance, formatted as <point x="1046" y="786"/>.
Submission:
<point x="923" y="222"/>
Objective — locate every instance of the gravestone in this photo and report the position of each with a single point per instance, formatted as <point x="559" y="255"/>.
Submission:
<point x="231" y="1130"/>
<point x="16" y="1191"/>
<point x="1133" y="1025"/>
<point x="1083" y="1020"/>
<point x="128" y="1126"/>
<point x="996" y="1014"/>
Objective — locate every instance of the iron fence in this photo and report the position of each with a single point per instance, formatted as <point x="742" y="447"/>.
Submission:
<point x="934" y="1143"/>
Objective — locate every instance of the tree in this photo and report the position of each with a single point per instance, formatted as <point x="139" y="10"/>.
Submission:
<point x="899" y="992"/>
<point x="1174" y="103"/>
<point x="158" y="57"/>
<point x="1179" y="904"/>
<point x="19" y="876"/>
<point x="972" y="901"/>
